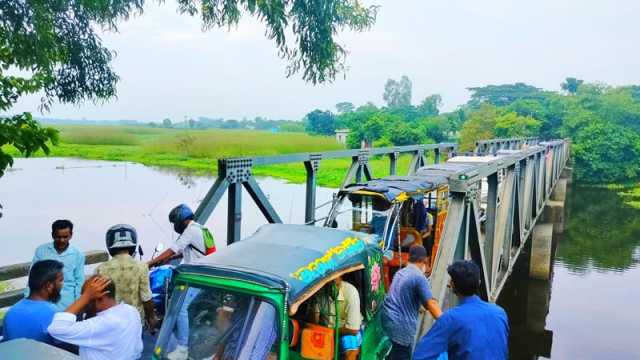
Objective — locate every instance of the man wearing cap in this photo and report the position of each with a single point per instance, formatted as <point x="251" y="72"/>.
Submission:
<point x="409" y="290"/>
<point x="473" y="330"/>
<point x="195" y="242"/>
<point x="130" y="276"/>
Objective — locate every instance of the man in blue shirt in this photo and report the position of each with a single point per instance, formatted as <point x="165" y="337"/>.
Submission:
<point x="409" y="290"/>
<point x="69" y="256"/>
<point x="30" y="317"/>
<point x="473" y="330"/>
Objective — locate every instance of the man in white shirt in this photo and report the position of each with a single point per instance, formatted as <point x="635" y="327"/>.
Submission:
<point x="115" y="333"/>
<point x="195" y="242"/>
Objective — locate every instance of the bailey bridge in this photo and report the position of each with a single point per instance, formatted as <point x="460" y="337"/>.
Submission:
<point x="507" y="192"/>
<point x="497" y="199"/>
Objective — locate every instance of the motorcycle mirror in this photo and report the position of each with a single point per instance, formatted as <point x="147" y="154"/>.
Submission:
<point x="159" y="247"/>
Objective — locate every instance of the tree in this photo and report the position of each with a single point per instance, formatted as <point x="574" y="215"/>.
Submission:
<point x="166" y="123"/>
<point x="344" y="107"/>
<point x="605" y="152"/>
<point x="430" y="106"/>
<point x="26" y="135"/>
<point x="502" y="95"/>
<point x="480" y="126"/>
<point x="320" y="122"/>
<point x="571" y="85"/>
<point x="512" y="125"/>
<point x="436" y="128"/>
<point x="397" y="93"/>
<point x="56" y="51"/>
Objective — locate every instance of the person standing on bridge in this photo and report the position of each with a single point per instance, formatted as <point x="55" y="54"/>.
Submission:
<point x="195" y="242"/>
<point x="130" y="276"/>
<point x="473" y="330"/>
<point x="409" y="290"/>
<point x="72" y="259"/>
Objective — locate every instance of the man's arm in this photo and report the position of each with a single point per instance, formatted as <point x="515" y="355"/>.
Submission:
<point x="435" y="342"/>
<point x="427" y="299"/>
<point x="64" y="326"/>
<point x="162" y="258"/>
<point x="433" y="308"/>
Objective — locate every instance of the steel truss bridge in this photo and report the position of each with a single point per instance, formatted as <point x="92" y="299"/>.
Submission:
<point x="496" y="197"/>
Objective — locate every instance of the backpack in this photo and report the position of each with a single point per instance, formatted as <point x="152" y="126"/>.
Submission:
<point x="209" y="242"/>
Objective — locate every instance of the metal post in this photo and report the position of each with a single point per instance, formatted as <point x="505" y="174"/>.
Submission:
<point x="234" y="213"/>
<point x="393" y="163"/>
<point x="490" y="225"/>
<point x="310" y="204"/>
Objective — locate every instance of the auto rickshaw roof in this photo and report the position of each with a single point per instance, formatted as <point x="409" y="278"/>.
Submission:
<point x="287" y="256"/>
<point x="392" y="186"/>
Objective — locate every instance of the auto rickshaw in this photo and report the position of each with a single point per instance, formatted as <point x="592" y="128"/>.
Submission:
<point x="396" y="209"/>
<point x="249" y="299"/>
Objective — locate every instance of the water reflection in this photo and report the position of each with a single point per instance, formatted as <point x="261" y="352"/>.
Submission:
<point x="587" y="309"/>
<point x="98" y="194"/>
<point x="602" y="232"/>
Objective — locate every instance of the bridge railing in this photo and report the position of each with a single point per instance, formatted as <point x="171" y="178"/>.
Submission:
<point x="492" y="146"/>
<point x="16" y="271"/>
<point x="513" y="205"/>
<point x="234" y="173"/>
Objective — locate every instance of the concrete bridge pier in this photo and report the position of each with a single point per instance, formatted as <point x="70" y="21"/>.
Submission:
<point x="541" y="251"/>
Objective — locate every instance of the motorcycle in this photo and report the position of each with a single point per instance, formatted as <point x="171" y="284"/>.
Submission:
<point x="160" y="283"/>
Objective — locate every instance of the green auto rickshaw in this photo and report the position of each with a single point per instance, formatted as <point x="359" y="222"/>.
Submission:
<point x="251" y="299"/>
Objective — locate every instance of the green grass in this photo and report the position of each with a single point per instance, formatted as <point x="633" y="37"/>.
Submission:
<point x="197" y="151"/>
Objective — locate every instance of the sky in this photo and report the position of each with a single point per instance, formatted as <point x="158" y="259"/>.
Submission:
<point x="170" y="68"/>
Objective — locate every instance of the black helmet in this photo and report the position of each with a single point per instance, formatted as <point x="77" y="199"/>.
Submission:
<point x="121" y="237"/>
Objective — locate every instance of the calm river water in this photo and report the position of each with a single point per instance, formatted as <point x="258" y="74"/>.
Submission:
<point x="587" y="310"/>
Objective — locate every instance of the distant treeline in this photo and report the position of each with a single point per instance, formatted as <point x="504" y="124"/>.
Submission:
<point x="603" y="122"/>
<point x="258" y="123"/>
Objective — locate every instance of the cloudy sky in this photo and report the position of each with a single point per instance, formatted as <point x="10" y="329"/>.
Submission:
<point x="170" y="68"/>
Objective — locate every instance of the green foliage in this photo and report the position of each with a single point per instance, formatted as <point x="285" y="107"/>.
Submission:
<point x="24" y="134"/>
<point x="344" y="107"/>
<point x="98" y="136"/>
<point x="320" y="122"/>
<point x="397" y="93"/>
<point x="571" y="85"/>
<point x="502" y="95"/>
<point x="480" y="125"/>
<point x="512" y="125"/>
<point x="430" y="106"/>
<point x="605" y="152"/>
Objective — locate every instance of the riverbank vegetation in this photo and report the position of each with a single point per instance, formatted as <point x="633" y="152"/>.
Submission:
<point x="197" y="151"/>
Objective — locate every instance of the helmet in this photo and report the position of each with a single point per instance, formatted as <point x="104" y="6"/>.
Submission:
<point x="180" y="213"/>
<point x="120" y="237"/>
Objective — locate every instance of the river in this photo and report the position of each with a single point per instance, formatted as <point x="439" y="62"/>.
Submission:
<point x="586" y="311"/>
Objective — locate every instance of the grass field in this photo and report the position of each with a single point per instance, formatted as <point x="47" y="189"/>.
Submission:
<point x="198" y="150"/>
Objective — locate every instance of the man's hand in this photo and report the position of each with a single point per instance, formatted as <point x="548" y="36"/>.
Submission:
<point x="95" y="288"/>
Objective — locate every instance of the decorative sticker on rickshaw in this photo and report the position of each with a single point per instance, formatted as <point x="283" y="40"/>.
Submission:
<point x="329" y="261"/>
<point x="375" y="278"/>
